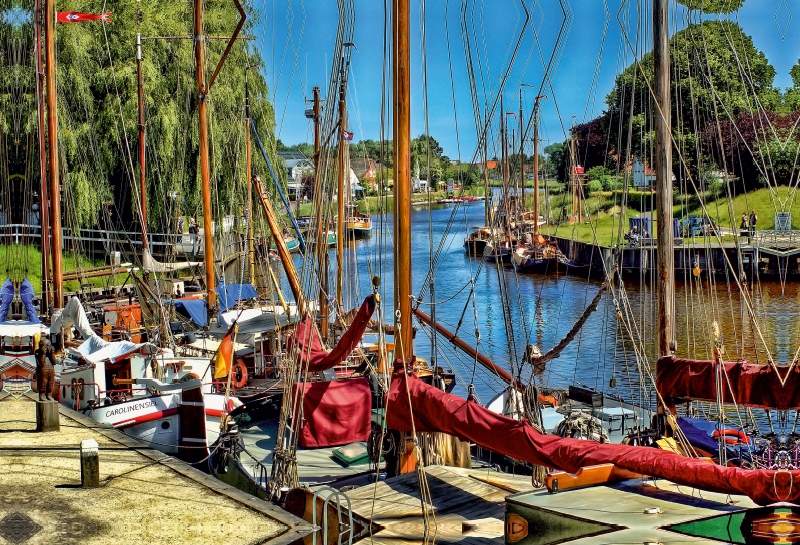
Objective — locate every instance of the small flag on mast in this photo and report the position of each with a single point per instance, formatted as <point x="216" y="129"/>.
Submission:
<point x="224" y="357"/>
<point x="78" y="17"/>
<point x="347" y="135"/>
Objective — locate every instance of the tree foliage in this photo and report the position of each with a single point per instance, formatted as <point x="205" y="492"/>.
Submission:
<point x="97" y="109"/>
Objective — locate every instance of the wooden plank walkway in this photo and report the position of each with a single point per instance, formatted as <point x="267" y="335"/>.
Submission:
<point x="457" y="495"/>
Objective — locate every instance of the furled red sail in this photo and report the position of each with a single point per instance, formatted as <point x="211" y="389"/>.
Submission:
<point x="752" y="385"/>
<point x="429" y="409"/>
<point x="307" y="343"/>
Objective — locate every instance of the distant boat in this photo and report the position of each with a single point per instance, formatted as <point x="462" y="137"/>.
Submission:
<point x="535" y="256"/>
<point x="475" y="242"/>
<point x="499" y="250"/>
<point x="292" y="244"/>
<point x="360" y="225"/>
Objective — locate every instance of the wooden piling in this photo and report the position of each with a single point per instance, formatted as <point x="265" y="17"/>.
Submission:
<point x="47" y="417"/>
<point x="90" y="464"/>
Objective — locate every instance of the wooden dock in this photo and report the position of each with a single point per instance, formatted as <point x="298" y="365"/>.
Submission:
<point x="465" y="507"/>
<point x="144" y="497"/>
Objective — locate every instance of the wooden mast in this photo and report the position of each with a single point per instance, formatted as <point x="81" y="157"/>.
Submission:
<point x="521" y="151"/>
<point x="142" y="179"/>
<point x="401" y="78"/>
<point x="52" y="142"/>
<point x="44" y="208"/>
<point x="205" y="174"/>
<point x="322" y="234"/>
<point x="486" y="201"/>
<point x="340" y="199"/>
<point x="249" y="173"/>
<point x="663" y="169"/>
<point x="536" y="165"/>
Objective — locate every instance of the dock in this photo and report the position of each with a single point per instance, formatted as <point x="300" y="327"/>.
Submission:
<point x="475" y="507"/>
<point x="144" y="496"/>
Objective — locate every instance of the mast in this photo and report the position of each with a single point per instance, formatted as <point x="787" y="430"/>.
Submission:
<point x="205" y="175"/>
<point x="44" y="220"/>
<point x="249" y="172"/>
<point x="521" y="151"/>
<point x="322" y="234"/>
<point x="486" y="201"/>
<point x="52" y="142"/>
<point x="663" y="169"/>
<point x="536" y="165"/>
<point x="142" y="179"/>
<point x="401" y="77"/>
<point x="343" y="148"/>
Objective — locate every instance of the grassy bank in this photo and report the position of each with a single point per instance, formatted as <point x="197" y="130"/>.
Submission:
<point x="25" y="261"/>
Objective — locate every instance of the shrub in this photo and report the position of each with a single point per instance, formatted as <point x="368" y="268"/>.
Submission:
<point x="594" y="186"/>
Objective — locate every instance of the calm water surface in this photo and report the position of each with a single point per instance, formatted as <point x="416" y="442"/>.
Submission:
<point x="542" y="309"/>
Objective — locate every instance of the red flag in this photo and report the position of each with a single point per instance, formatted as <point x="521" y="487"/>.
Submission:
<point x="78" y="17"/>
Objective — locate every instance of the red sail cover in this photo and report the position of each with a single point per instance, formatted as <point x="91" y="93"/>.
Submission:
<point x="752" y="385"/>
<point x="434" y="410"/>
<point x="78" y="17"/>
<point x="308" y="344"/>
<point x="334" y="413"/>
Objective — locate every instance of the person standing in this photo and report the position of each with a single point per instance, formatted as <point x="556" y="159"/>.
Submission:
<point x="753" y="220"/>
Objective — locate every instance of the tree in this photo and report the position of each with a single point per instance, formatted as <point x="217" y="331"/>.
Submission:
<point x="556" y="156"/>
<point x="97" y="109"/>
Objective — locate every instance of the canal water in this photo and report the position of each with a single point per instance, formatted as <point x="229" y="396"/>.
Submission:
<point x="610" y="353"/>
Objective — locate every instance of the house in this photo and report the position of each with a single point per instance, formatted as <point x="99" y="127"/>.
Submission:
<point x="643" y="175"/>
<point x="365" y="169"/>
<point x="297" y="166"/>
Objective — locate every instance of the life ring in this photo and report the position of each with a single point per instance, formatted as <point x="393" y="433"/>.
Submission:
<point x="731" y="436"/>
<point x="239" y="374"/>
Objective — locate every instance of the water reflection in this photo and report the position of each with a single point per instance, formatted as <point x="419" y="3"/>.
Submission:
<point x="542" y="309"/>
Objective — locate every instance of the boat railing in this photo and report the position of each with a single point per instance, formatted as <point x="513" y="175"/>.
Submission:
<point x="343" y="528"/>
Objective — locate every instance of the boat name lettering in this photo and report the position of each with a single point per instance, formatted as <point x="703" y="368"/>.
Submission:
<point x="129" y="408"/>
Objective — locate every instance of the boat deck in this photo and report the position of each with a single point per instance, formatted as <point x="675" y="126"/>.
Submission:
<point x="144" y="496"/>
<point x="468" y="506"/>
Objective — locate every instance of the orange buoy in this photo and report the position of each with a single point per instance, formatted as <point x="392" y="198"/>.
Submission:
<point x="239" y="374"/>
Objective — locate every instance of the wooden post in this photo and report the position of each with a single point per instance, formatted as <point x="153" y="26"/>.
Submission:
<point x="52" y="142"/>
<point x="402" y="176"/>
<point x="44" y="205"/>
<point x="486" y="201"/>
<point x="47" y="417"/>
<point x="663" y="169"/>
<point x="142" y="173"/>
<point x="90" y="464"/>
<point x="205" y="173"/>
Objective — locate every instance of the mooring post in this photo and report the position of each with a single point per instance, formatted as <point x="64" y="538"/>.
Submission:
<point x="90" y="464"/>
<point x="47" y="418"/>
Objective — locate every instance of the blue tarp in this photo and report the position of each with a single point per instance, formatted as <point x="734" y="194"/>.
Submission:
<point x="6" y="296"/>
<point x="699" y="433"/>
<point x="27" y="294"/>
<point x="195" y="308"/>
<point x="230" y="293"/>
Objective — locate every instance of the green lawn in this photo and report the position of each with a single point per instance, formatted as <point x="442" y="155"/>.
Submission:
<point x="25" y="261"/>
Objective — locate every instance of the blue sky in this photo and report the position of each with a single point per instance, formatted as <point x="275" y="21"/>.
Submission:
<point x="297" y="38"/>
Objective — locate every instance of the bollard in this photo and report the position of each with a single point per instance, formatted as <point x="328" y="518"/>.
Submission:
<point x="90" y="464"/>
<point x="47" y="418"/>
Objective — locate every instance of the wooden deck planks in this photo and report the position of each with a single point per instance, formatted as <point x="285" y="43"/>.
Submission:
<point x="455" y="497"/>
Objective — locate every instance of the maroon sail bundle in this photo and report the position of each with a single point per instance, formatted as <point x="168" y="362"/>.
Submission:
<point x="306" y="341"/>
<point x="746" y="384"/>
<point x="413" y="405"/>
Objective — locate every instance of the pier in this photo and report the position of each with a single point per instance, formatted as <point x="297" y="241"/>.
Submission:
<point x="143" y="497"/>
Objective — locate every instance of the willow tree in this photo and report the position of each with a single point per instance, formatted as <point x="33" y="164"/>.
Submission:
<point x="97" y="93"/>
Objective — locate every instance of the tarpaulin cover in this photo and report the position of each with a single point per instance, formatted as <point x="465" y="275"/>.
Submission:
<point x="309" y="346"/>
<point x="72" y="315"/>
<point x="230" y="293"/>
<point x="700" y="434"/>
<point x="6" y="296"/>
<point x="334" y="413"/>
<point x="95" y="349"/>
<point x="435" y="410"/>
<point x="27" y="294"/>
<point x="752" y="385"/>
<point x="195" y="308"/>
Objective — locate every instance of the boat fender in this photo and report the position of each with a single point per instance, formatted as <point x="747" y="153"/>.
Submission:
<point x="551" y="400"/>
<point x="731" y="436"/>
<point x="239" y="374"/>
